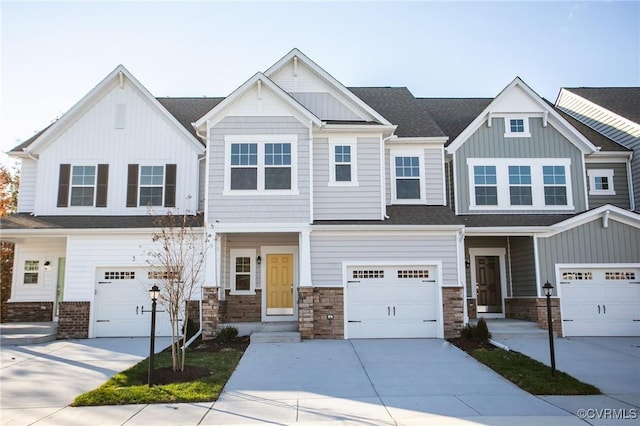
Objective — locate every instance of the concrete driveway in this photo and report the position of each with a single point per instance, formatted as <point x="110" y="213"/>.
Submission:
<point x="38" y="380"/>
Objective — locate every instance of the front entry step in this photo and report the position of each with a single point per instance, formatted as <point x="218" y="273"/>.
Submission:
<point x="21" y="334"/>
<point x="276" y="337"/>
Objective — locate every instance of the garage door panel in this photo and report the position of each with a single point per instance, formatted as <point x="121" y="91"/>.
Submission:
<point x="600" y="301"/>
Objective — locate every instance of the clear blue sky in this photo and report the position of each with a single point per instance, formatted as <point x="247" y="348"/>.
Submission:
<point x="53" y="53"/>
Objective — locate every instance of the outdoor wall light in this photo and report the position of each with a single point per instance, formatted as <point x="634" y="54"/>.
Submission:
<point x="259" y="259"/>
<point x="47" y="265"/>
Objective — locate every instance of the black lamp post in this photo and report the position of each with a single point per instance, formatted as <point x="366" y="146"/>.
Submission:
<point x="548" y="288"/>
<point x="154" y="292"/>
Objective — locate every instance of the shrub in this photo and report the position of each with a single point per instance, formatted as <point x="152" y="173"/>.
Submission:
<point x="478" y="331"/>
<point x="227" y="333"/>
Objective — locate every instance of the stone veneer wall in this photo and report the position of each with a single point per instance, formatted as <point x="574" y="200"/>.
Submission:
<point x="29" y="312"/>
<point x="314" y="304"/>
<point x="472" y="308"/>
<point x="210" y="312"/>
<point x="534" y="309"/>
<point x="241" y="308"/>
<point x="73" y="320"/>
<point x="453" y="311"/>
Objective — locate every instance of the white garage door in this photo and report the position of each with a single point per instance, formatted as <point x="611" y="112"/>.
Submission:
<point x="123" y="305"/>
<point x="392" y="302"/>
<point x="597" y="301"/>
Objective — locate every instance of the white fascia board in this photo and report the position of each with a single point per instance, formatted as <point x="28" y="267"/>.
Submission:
<point x="435" y="140"/>
<point x="615" y="213"/>
<point x="260" y="227"/>
<point x="387" y="129"/>
<point x="94" y="95"/>
<point x="488" y="231"/>
<point x="345" y="229"/>
<point x="61" y="232"/>
<point x="329" y="78"/>
<point x="609" y="157"/>
<point x="236" y="94"/>
<point x="562" y="125"/>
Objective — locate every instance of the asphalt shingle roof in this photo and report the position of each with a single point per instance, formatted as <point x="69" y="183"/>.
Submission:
<point x="624" y="101"/>
<point x="28" y="221"/>
<point x="401" y="108"/>
<point x="453" y="115"/>
<point x="189" y="110"/>
<point x="596" y="138"/>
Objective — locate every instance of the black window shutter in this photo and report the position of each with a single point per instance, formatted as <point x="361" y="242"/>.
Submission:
<point x="63" y="185"/>
<point x="103" y="183"/>
<point x="132" y="185"/>
<point x="170" y="185"/>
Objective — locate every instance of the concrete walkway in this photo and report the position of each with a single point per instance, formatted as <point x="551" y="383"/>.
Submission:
<point x="421" y="381"/>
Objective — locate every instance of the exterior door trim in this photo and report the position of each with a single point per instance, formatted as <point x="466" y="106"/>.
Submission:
<point x="501" y="253"/>
<point x="264" y="251"/>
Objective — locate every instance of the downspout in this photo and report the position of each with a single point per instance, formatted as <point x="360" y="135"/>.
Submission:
<point x="632" y="198"/>
<point x="206" y="184"/>
<point x="383" y="175"/>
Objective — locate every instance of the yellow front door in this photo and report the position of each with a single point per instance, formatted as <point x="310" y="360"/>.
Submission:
<point x="280" y="284"/>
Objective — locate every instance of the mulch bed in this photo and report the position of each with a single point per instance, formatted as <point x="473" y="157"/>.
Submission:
<point x="166" y="375"/>
<point x="469" y="345"/>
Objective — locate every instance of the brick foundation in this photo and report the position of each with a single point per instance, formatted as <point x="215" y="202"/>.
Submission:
<point x="534" y="309"/>
<point x="210" y="312"/>
<point x="453" y="311"/>
<point x="29" y="312"/>
<point x="472" y="308"/>
<point x="193" y="309"/>
<point x="73" y="320"/>
<point x="241" y="308"/>
<point x="314" y="304"/>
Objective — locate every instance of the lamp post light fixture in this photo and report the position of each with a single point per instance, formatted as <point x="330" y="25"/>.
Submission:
<point x="154" y="292"/>
<point x="548" y="288"/>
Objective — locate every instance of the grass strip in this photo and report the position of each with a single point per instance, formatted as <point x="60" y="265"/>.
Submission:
<point x="128" y="387"/>
<point x="531" y="375"/>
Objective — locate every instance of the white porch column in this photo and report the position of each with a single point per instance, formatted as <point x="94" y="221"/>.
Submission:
<point x="304" y="254"/>
<point x="211" y="263"/>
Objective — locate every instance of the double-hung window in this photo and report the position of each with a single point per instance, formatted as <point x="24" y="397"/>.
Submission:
<point x="83" y="184"/>
<point x="486" y="185"/>
<point x="258" y="163"/>
<point x="520" y="186"/>
<point x="31" y="271"/>
<point x="151" y="185"/>
<point x="243" y="271"/>
<point x="343" y="169"/>
<point x="407" y="178"/>
<point x="555" y="185"/>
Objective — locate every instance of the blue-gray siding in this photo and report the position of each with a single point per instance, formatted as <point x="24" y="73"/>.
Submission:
<point x="348" y="202"/>
<point x="620" y="185"/>
<point x="325" y="106"/>
<point x="523" y="269"/>
<point x="432" y="172"/>
<point x="545" y="142"/>
<point x="258" y="208"/>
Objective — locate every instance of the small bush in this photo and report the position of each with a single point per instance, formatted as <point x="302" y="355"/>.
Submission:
<point x="227" y="333"/>
<point x="478" y="331"/>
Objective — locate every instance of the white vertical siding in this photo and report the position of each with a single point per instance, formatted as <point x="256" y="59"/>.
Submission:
<point x="148" y="138"/>
<point x="27" y="193"/>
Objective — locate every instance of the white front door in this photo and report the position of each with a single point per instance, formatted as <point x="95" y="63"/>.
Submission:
<point x="392" y="302"/>
<point x="123" y="305"/>
<point x="600" y="301"/>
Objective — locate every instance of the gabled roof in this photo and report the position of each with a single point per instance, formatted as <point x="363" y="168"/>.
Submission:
<point x="603" y="212"/>
<point x="575" y="137"/>
<point x="400" y="107"/>
<point x="624" y="101"/>
<point x="596" y="138"/>
<point x="258" y="78"/>
<point x="119" y="75"/>
<point x="188" y="110"/>
<point x="453" y="115"/>
<point x="297" y="55"/>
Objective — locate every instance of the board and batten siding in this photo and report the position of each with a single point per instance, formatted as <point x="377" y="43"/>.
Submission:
<point x="325" y="106"/>
<point x="28" y="178"/>
<point x="523" y="269"/>
<point x="338" y="202"/>
<point x="620" y="186"/>
<point x="259" y="207"/>
<point x="432" y="174"/>
<point x="147" y="138"/>
<point x="329" y="250"/>
<point x="588" y="243"/>
<point x="88" y="252"/>
<point x="545" y="142"/>
<point x="42" y="251"/>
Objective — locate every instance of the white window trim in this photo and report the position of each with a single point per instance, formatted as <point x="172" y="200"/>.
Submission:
<point x="593" y="174"/>
<point x="38" y="272"/>
<point x="261" y="140"/>
<point x="423" y="190"/>
<point x="507" y="127"/>
<point x="537" y="182"/>
<point x="352" y="143"/>
<point x="251" y="254"/>
<point x="94" y="186"/>
<point x="140" y="185"/>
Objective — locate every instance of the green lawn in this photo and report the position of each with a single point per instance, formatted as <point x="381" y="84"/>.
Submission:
<point x="129" y="386"/>
<point x="531" y="375"/>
